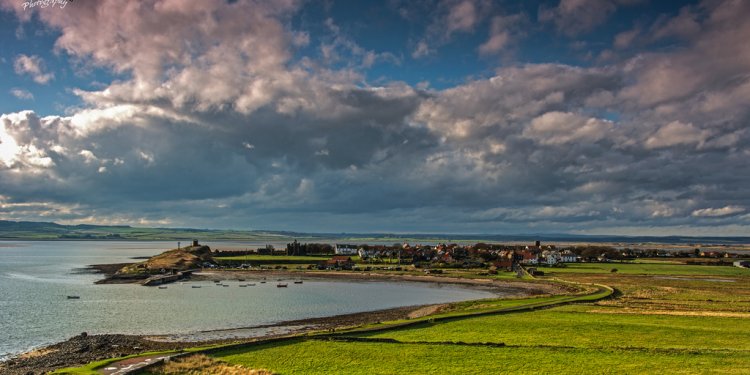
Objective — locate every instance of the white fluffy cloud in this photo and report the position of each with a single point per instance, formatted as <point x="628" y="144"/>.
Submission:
<point x="33" y="66"/>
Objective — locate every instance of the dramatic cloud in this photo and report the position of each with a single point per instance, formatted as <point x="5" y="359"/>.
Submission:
<point x="223" y="114"/>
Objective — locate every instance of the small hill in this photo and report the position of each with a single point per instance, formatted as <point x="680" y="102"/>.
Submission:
<point x="173" y="260"/>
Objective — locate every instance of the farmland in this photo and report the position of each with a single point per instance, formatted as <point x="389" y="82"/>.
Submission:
<point x="694" y="323"/>
<point x="664" y="317"/>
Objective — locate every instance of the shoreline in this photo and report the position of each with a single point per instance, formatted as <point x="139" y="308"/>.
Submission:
<point x="83" y="349"/>
<point x="505" y="288"/>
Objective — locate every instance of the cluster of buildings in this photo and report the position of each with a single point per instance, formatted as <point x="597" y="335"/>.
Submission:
<point x="500" y="256"/>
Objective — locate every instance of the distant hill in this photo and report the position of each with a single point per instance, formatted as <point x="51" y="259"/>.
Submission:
<point x="29" y="230"/>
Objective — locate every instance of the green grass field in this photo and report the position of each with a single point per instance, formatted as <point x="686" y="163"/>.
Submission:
<point x="653" y="268"/>
<point x="314" y="357"/>
<point x="275" y="258"/>
<point x="590" y="327"/>
<point x="572" y="339"/>
<point x="660" y="324"/>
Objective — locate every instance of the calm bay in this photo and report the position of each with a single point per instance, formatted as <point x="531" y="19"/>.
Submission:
<point x="37" y="276"/>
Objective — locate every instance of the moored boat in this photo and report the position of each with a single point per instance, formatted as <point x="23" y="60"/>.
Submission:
<point x="280" y="285"/>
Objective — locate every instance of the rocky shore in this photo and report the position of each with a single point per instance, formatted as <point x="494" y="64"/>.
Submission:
<point x="81" y="350"/>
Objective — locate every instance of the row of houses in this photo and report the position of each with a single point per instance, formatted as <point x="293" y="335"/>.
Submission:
<point x="503" y="257"/>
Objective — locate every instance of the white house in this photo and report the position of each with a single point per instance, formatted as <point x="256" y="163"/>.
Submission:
<point x="552" y="257"/>
<point x="568" y="257"/>
<point x="340" y="249"/>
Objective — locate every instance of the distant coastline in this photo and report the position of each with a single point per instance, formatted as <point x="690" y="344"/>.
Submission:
<point x="47" y="231"/>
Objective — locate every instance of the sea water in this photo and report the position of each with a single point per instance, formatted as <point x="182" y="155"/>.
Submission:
<point x="37" y="276"/>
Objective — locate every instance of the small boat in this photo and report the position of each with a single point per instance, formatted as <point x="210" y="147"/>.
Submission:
<point x="217" y="281"/>
<point x="263" y="282"/>
<point x="252" y="284"/>
<point x="298" y="282"/>
<point x="243" y="286"/>
<point x="195" y="286"/>
<point x="162" y="287"/>
<point x="280" y="285"/>
<point x="240" y="280"/>
<point x="74" y="297"/>
<point x="225" y="285"/>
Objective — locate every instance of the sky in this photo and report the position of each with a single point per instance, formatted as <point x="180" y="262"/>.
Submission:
<point x="426" y="116"/>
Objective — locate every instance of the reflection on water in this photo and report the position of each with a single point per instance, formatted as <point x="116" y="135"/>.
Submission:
<point x="37" y="277"/>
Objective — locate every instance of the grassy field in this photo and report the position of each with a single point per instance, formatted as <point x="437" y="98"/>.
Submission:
<point x="590" y="327"/>
<point x="313" y="357"/>
<point x="651" y="268"/>
<point x="664" y="321"/>
<point x="280" y="259"/>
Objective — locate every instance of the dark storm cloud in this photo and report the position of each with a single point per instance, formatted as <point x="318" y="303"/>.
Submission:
<point x="233" y="132"/>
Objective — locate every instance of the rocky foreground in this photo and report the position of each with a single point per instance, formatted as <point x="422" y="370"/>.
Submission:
<point x="81" y="350"/>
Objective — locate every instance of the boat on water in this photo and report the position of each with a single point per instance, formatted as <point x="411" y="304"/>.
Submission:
<point x="195" y="286"/>
<point x="240" y="280"/>
<point x="74" y="297"/>
<point x="262" y="282"/>
<point x="162" y="287"/>
<point x="298" y="282"/>
<point x="280" y="285"/>
<point x="250" y="284"/>
<point x="243" y="286"/>
<point x="225" y="285"/>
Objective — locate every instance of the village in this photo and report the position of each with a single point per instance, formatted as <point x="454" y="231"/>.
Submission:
<point x="434" y="258"/>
